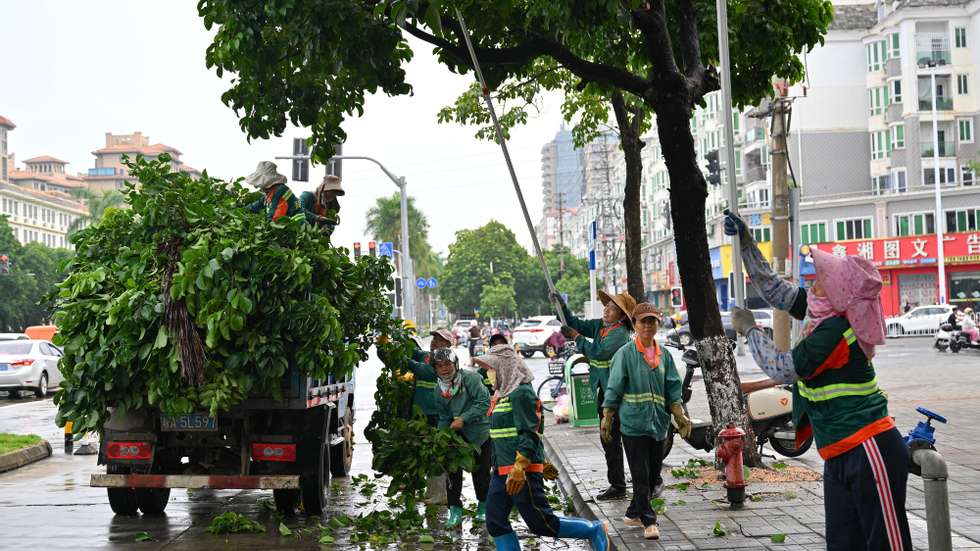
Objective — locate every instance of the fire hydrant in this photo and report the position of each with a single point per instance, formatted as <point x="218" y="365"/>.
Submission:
<point x="730" y="451"/>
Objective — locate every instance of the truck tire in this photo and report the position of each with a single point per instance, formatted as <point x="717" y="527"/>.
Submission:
<point x="314" y="481"/>
<point x="122" y="501"/>
<point x="152" y="501"/>
<point x="286" y="501"/>
<point x="342" y="455"/>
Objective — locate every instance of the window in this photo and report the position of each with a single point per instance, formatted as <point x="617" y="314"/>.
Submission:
<point x="896" y="90"/>
<point x="962" y="85"/>
<point x="947" y="176"/>
<point x="762" y="234"/>
<point x="880" y="145"/>
<point x="765" y="155"/>
<point x="895" y="42"/>
<point x="914" y="224"/>
<point x="877" y="100"/>
<point x="881" y="184"/>
<point x="738" y="162"/>
<point x="898" y="136"/>
<point x="855" y="228"/>
<point x="899" y="181"/>
<point x="877" y="53"/>
<point x="813" y="233"/>
<point x="968" y="176"/>
<point x="962" y="220"/>
<point x="960" y="37"/>
<point x="965" y="127"/>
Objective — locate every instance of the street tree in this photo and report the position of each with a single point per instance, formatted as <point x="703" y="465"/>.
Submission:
<point x="384" y="223"/>
<point x="497" y="300"/>
<point x="311" y="63"/>
<point x="480" y="257"/>
<point x="96" y="203"/>
<point x="34" y="271"/>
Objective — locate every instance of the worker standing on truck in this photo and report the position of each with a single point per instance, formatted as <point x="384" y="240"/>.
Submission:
<point x="322" y="206"/>
<point x="462" y="402"/>
<point x="598" y="340"/>
<point x="278" y="200"/>
<point x="519" y="469"/>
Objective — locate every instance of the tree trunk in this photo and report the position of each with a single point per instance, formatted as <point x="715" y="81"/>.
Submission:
<point x="630" y="121"/>
<point x="688" y="190"/>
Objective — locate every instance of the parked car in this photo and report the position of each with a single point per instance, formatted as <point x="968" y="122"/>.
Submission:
<point x="682" y="334"/>
<point x="530" y="335"/>
<point x="29" y="365"/>
<point x="461" y="330"/>
<point x="763" y="318"/>
<point x="13" y="337"/>
<point x="921" y="320"/>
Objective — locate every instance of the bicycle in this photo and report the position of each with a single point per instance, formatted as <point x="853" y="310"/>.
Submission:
<point x="554" y="386"/>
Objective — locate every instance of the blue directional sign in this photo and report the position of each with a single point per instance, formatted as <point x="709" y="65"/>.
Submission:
<point x="432" y="283"/>
<point x="386" y="248"/>
<point x="421" y="283"/>
<point x="755" y="220"/>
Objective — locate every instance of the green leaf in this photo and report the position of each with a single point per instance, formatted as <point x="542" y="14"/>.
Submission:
<point x="778" y="538"/>
<point x="719" y="530"/>
<point x="284" y="530"/>
<point x="326" y="540"/>
<point x="143" y="536"/>
<point x="779" y="465"/>
<point x="161" y="340"/>
<point x="426" y="539"/>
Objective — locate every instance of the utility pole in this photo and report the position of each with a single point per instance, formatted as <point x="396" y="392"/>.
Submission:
<point x="561" y="237"/>
<point x="780" y="212"/>
<point x="938" y="218"/>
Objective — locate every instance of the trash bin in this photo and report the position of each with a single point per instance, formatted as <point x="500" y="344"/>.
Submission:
<point x="584" y="410"/>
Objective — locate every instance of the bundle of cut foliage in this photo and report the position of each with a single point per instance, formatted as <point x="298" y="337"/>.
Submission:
<point x="186" y="301"/>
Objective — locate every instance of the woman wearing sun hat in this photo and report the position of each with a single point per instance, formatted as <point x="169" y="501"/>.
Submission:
<point x="836" y="397"/>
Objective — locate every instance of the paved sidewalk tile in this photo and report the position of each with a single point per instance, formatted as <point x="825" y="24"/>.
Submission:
<point x="794" y="510"/>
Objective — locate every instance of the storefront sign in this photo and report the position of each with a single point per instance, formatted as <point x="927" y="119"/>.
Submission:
<point x="716" y="272"/>
<point x="899" y="252"/>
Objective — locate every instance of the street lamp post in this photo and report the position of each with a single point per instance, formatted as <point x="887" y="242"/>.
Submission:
<point x="408" y="279"/>
<point x="938" y="217"/>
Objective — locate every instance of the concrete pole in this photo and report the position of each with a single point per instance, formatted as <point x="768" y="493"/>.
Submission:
<point x="934" y="475"/>
<point x="780" y="215"/>
<point x="738" y="280"/>
<point x="938" y="217"/>
<point x="408" y="278"/>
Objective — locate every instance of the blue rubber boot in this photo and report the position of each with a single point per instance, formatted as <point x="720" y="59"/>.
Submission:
<point x="507" y="542"/>
<point x="595" y="532"/>
<point x="481" y="512"/>
<point x="455" y="516"/>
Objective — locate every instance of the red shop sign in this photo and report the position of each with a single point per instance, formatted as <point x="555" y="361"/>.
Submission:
<point x="919" y="250"/>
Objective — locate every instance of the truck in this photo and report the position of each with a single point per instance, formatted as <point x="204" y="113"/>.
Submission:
<point x="289" y="442"/>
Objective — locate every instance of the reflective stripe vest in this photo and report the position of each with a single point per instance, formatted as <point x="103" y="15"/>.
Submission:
<point x="516" y="424"/>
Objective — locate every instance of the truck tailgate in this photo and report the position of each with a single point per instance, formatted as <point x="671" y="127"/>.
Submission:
<point x="231" y="482"/>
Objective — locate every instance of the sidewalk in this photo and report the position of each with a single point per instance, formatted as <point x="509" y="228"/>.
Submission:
<point x="792" y="509"/>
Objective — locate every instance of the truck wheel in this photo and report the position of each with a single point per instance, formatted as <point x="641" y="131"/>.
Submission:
<point x="315" y="478"/>
<point x="122" y="501"/>
<point x="527" y="353"/>
<point x="152" y="501"/>
<point x="286" y="501"/>
<point x="342" y="455"/>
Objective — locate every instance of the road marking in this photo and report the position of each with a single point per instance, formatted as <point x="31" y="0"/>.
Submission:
<point x="26" y="403"/>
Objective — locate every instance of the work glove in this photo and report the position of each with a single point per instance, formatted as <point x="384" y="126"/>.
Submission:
<point x="407" y="377"/>
<point x="742" y="320"/>
<point x="568" y="332"/>
<point x="457" y="424"/>
<point x="683" y="423"/>
<point x="516" y="478"/>
<point x="556" y="298"/>
<point x="550" y="471"/>
<point x="606" y="426"/>
<point x="735" y="225"/>
<point x="382" y="339"/>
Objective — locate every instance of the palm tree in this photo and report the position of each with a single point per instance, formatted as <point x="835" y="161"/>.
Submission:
<point x="384" y="224"/>
<point x="97" y="203"/>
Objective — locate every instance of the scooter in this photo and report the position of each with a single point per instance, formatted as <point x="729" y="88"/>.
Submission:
<point x="770" y="410"/>
<point x="954" y="339"/>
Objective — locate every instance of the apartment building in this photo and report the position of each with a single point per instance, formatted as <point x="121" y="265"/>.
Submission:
<point x="6" y="125"/>
<point x="110" y="173"/>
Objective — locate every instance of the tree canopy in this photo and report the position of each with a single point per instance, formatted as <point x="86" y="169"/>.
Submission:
<point x="34" y="271"/>
<point x="384" y="224"/>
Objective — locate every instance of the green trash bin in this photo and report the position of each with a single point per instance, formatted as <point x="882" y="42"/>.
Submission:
<point x="584" y="410"/>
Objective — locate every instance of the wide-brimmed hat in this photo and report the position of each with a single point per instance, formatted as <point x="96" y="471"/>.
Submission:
<point x="646" y="310"/>
<point x="442" y="333"/>
<point x="265" y="176"/>
<point x="330" y="183"/>
<point x="625" y="302"/>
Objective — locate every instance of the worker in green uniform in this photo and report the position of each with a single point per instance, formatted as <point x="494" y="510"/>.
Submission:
<point x="644" y="390"/>
<point x="423" y="373"/>
<point x="516" y="424"/>
<point x="482" y="371"/>
<point x="322" y="207"/>
<point x="836" y="397"/>
<point x="462" y="402"/>
<point x="278" y="200"/>
<point x="598" y="340"/>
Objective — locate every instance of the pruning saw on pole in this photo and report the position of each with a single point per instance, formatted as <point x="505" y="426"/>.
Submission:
<point x="510" y="165"/>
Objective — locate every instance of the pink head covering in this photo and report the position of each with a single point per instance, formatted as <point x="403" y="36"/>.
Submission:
<point x="853" y="285"/>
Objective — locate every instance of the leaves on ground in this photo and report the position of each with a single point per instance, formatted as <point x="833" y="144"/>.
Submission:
<point x="327" y="540"/>
<point x="659" y="505"/>
<point x="426" y="538"/>
<point x="233" y="523"/>
<point x="719" y="530"/>
<point x="284" y="530"/>
<point x="779" y="465"/>
<point x="143" y="536"/>
<point x="777" y="538"/>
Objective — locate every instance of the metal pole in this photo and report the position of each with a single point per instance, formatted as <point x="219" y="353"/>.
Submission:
<point x="794" y="198"/>
<point x="593" y="232"/>
<point x="408" y="282"/>
<point x="510" y="164"/>
<point x="738" y="280"/>
<point x="934" y="476"/>
<point x="938" y="219"/>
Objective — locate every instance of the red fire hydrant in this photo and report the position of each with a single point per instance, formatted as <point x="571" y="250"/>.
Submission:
<point x="730" y="451"/>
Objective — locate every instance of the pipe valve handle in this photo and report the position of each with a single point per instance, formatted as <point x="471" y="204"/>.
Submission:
<point x="933" y="416"/>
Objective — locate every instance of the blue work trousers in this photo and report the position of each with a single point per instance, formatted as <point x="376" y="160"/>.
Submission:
<point x="531" y="502"/>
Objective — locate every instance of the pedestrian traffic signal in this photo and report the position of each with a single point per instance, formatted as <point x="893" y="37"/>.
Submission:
<point x="357" y="250"/>
<point x="676" y="297"/>
<point x="301" y="166"/>
<point x="372" y="249"/>
<point x="714" y="168"/>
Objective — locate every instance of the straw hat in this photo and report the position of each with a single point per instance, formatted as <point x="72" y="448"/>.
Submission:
<point x="266" y="176"/>
<point x="625" y="302"/>
<point x="330" y="183"/>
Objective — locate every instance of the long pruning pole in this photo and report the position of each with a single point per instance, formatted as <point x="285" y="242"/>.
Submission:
<point x="510" y="164"/>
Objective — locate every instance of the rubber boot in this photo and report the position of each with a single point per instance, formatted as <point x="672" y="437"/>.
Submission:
<point x="507" y="542"/>
<point x="481" y="512"/>
<point x="455" y="516"/>
<point x="595" y="532"/>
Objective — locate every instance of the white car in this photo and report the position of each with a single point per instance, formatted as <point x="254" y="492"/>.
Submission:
<point x="530" y="335"/>
<point x="13" y="337"/>
<point x="29" y="365"/>
<point x="763" y="319"/>
<point x="921" y="320"/>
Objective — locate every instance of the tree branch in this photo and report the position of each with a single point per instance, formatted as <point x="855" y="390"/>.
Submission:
<point x="690" y="44"/>
<point x="595" y="72"/>
<point x="514" y="55"/>
<point x="652" y="22"/>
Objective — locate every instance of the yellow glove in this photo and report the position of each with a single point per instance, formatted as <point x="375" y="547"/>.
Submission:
<point x="683" y="423"/>
<point x="382" y="339"/>
<point x="407" y="377"/>
<point x="516" y="477"/>
<point x="605" y="427"/>
<point x="550" y="471"/>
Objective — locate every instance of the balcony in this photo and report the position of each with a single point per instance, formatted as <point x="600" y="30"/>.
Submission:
<point x="107" y="171"/>
<point x="932" y="50"/>
<point x="942" y="104"/>
<point x="946" y="149"/>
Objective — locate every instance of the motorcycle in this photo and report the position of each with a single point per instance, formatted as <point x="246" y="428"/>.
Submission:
<point x="770" y="410"/>
<point x="953" y="339"/>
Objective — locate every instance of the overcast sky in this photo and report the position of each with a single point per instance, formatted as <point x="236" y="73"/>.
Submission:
<point x="73" y="71"/>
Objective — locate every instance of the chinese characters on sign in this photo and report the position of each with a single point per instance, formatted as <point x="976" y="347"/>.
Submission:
<point x="895" y="252"/>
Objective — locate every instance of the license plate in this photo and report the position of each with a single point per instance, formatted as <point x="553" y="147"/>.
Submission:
<point x="192" y="422"/>
<point x="4" y="367"/>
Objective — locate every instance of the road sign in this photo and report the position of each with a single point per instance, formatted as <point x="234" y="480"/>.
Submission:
<point x="421" y="282"/>
<point x="432" y="283"/>
<point x="386" y="248"/>
<point x="301" y="167"/>
<point x="755" y="219"/>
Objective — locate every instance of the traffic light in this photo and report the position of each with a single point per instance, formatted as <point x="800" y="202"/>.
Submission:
<point x="372" y="248"/>
<point x="4" y="264"/>
<point x="301" y="167"/>
<point x="714" y="168"/>
<point x="676" y="297"/>
<point x="335" y="166"/>
<point x="357" y="250"/>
